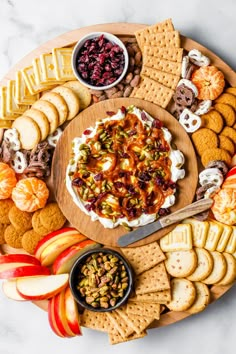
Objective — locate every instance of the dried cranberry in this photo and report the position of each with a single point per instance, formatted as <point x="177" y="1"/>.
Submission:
<point x="92" y="200"/>
<point x="130" y="189"/>
<point x="132" y="132"/>
<point x="142" y="185"/>
<point x="118" y="184"/>
<point x="172" y="185"/>
<point x="124" y="155"/>
<point x="144" y="176"/>
<point x="159" y="181"/>
<point x="90" y="207"/>
<point x="98" y="177"/>
<point x="110" y="113"/>
<point x="123" y="109"/>
<point x="132" y="212"/>
<point x="163" y="211"/>
<point x="77" y="182"/>
<point x="87" y="132"/>
<point x="156" y="123"/>
<point x="144" y="116"/>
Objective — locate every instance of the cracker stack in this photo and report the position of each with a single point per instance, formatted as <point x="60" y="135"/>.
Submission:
<point x="162" y="57"/>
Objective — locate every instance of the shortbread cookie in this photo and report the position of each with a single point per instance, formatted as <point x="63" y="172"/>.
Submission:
<point x="5" y="206"/>
<point x="50" y="112"/>
<point x="60" y="104"/>
<point x="183" y="294"/>
<point x="203" y="298"/>
<point x="213" y="236"/>
<point x="42" y="121"/>
<point x="227" y="113"/>
<point x="181" y="264"/>
<point x="203" y="139"/>
<point x="29" y="132"/>
<point x="227" y="98"/>
<point x="231" y="270"/>
<point x="213" y="120"/>
<point x="226" y="144"/>
<point x="224" y="238"/>
<point x="219" y="269"/>
<point x="230" y="133"/>
<point x="21" y="220"/>
<point x="71" y="100"/>
<point x="81" y="92"/>
<point x="179" y="239"/>
<point x="215" y="154"/>
<point x="204" y="265"/>
<point x="199" y="231"/>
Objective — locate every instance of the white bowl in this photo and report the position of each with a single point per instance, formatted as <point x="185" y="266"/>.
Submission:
<point x="110" y="37"/>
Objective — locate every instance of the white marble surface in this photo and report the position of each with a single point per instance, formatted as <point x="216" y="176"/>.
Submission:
<point x="24" y="24"/>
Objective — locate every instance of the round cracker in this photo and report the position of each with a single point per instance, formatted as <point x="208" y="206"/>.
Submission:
<point x="60" y="104"/>
<point x="204" y="265"/>
<point x="226" y="144"/>
<point x="42" y="121"/>
<point x="227" y="98"/>
<point x="202" y="298"/>
<point x="81" y="92"/>
<point x="227" y="113"/>
<point x="203" y="139"/>
<point x="219" y="269"/>
<point x="213" y="120"/>
<point x="215" y="154"/>
<point x="183" y="294"/>
<point x="181" y="264"/>
<point x="230" y="133"/>
<point x="231" y="270"/>
<point x="50" y="112"/>
<point x="231" y="90"/>
<point x="29" y="132"/>
<point x="71" y="100"/>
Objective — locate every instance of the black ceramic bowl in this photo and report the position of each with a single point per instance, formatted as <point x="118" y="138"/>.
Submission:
<point x="76" y="276"/>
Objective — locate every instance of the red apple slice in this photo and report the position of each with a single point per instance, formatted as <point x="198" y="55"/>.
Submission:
<point x="64" y="262"/>
<point x="24" y="271"/>
<point x="6" y="249"/>
<point x="45" y="241"/>
<point x="60" y="315"/>
<point x="52" y="251"/>
<point x="51" y="318"/>
<point x="72" y="314"/>
<point x="19" y="258"/>
<point x="9" y="289"/>
<point x="41" y="287"/>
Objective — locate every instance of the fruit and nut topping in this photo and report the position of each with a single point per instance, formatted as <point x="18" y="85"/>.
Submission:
<point x="102" y="280"/>
<point x="100" y="62"/>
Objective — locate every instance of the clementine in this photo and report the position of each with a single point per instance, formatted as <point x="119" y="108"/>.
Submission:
<point x="7" y="180"/>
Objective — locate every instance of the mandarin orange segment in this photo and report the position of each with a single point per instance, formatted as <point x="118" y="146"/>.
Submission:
<point x="30" y="194"/>
<point x="7" y="180"/>
<point x="209" y="81"/>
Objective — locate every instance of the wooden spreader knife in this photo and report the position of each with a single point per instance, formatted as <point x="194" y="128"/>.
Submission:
<point x="144" y="231"/>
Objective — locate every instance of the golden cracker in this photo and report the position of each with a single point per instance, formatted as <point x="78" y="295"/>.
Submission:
<point x="169" y="53"/>
<point x="152" y="280"/>
<point x="152" y="91"/>
<point x="120" y="324"/>
<point x="29" y="132"/>
<point x="231" y="270"/>
<point x="144" y="257"/>
<point x="5" y="124"/>
<point x="144" y="309"/>
<point x="202" y="298"/>
<point x="81" y="92"/>
<point x="219" y="269"/>
<point x="231" y="244"/>
<point x="30" y="80"/>
<point x="62" y="62"/>
<point x="166" y="79"/>
<point x="12" y="106"/>
<point x="48" y="69"/>
<point x="204" y="265"/>
<point x="164" y="65"/>
<point x="116" y="338"/>
<point x="39" y="78"/>
<point x="180" y="238"/>
<point x="159" y="297"/>
<point x="96" y="320"/>
<point x="4" y="113"/>
<point x="224" y="238"/>
<point x="214" y="232"/>
<point x="23" y="96"/>
<point x="199" y="231"/>
<point x="136" y="322"/>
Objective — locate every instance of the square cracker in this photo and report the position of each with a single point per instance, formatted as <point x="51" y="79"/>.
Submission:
<point x="96" y="320"/>
<point x="169" y="53"/>
<point x="30" y="80"/>
<point x="12" y="106"/>
<point x="164" y="78"/>
<point x="136" y="322"/>
<point x="22" y="94"/>
<point x="48" y="69"/>
<point x="38" y="72"/>
<point x="167" y="66"/>
<point x="164" y="40"/>
<point x="150" y="90"/>
<point x="154" y="279"/>
<point x="179" y="239"/>
<point x="119" y="323"/>
<point x="4" y="113"/>
<point x="62" y="62"/>
<point x="159" y="297"/>
<point x="143" y="309"/>
<point x="144" y="257"/>
<point x="116" y="338"/>
<point x="164" y="26"/>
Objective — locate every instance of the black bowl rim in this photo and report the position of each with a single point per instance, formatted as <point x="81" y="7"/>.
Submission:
<point x="129" y="269"/>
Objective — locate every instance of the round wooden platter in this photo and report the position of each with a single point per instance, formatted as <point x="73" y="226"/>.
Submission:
<point x="124" y="30"/>
<point x="87" y="118"/>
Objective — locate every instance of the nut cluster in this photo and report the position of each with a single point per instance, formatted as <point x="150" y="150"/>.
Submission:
<point x="102" y="280"/>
